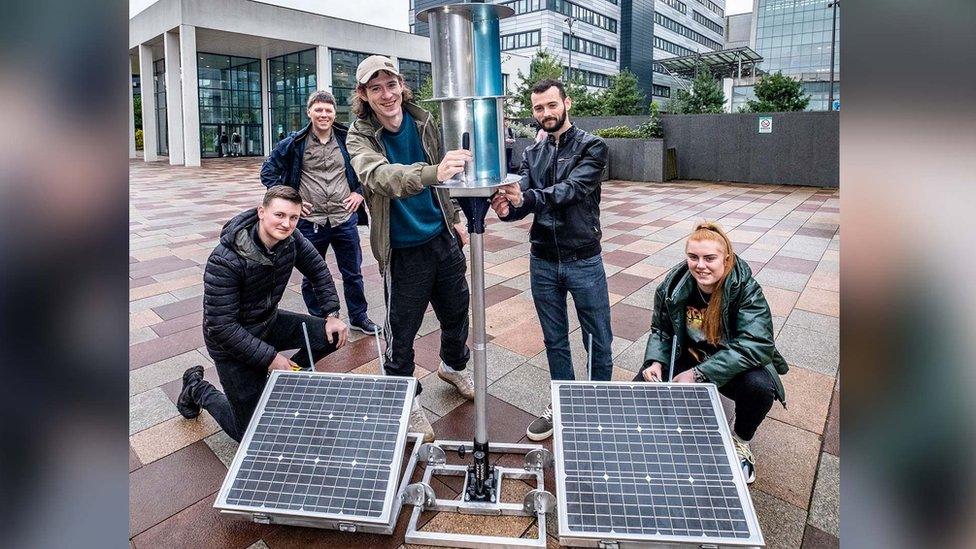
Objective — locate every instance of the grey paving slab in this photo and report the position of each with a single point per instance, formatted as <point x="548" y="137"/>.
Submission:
<point x="782" y="524"/>
<point x="825" y="505"/>
<point x="822" y="324"/>
<point x="149" y="408"/>
<point x="150" y="302"/>
<point x="526" y="387"/>
<point x="501" y="361"/>
<point x="632" y="358"/>
<point x="223" y="446"/>
<point x="141" y="334"/>
<point x="164" y="371"/>
<point x="809" y="349"/>
<point x="644" y="297"/>
<point x="439" y="396"/>
<point x="795" y="282"/>
<point x="521" y="282"/>
<point x="578" y="352"/>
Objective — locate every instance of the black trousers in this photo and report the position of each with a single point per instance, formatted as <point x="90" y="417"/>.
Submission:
<point x="753" y="393"/>
<point x="431" y="273"/>
<point x="244" y="384"/>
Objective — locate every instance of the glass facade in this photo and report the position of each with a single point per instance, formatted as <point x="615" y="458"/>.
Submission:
<point x="159" y="89"/>
<point x="230" y="105"/>
<point x="415" y="73"/>
<point x="793" y="36"/>
<point x="291" y="79"/>
<point x="344" y="65"/>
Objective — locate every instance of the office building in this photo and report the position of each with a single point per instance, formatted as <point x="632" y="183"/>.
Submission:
<point x="230" y="77"/>
<point x="681" y="28"/>
<point x="738" y="30"/>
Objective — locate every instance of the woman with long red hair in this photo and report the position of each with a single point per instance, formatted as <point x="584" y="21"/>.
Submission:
<point x="711" y="324"/>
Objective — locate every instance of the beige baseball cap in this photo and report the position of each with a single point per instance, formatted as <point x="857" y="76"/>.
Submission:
<point x="372" y="65"/>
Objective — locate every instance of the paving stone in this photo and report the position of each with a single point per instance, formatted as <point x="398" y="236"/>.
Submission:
<point x="224" y="447"/>
<point x="832" y="432"/>
<point x="815" y="538"/>
<point x="526" y="387"/>
<point x="770" y="277"/>
<point x="822" y="324"/>
<point x="809" y="349"/>
<point x="825" y="505"/>
<point x="148" y="409"/>
<point x="134" y="462"/>
<point x="154" y="350"/>
<point x="160" y="489"/>
<point x="782" y="524"/>
<point x="780" y="301"/>
<point x="164" y="371"/>
<point x="506" y="423"/>
<point x="808" y="399"/>
<point x="819" y="301"/>
<point x="173" y="388"/>
<point x="171" y="435"/>
<point x="629" y="322"/>
<point x="786" y="461"/>
<point x="200" y="525"/>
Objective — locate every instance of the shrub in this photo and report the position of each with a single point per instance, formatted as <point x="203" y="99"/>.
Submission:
<point x="522" y="130"/>
<point x="618" y="132"/>
<point x="139" y="140"/>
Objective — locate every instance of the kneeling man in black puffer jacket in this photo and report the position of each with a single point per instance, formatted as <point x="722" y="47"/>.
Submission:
<point x="245" y="277"/>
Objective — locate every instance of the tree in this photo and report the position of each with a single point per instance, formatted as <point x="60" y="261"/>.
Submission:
<point x="705" y="97"/>
<point x="777" y="93"/>
<point x="137" y="108"/>
<point x="544" y="65"/>
<point x="426" y="91"/>
<point x="624" y="97"/>
<point x="585" y="102"/>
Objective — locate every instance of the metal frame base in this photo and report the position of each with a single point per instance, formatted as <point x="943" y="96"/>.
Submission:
<point x="537" y="502"/>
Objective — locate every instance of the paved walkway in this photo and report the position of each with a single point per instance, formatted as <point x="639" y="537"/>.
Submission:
<point x="789" y="235"/>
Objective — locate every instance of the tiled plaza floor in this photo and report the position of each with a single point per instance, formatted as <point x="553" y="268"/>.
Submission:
<point x="789" y="235"/>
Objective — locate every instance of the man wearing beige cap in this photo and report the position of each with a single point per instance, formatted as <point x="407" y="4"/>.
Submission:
<point x="415" y="235"/>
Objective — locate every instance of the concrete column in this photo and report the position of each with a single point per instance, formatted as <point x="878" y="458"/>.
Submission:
<point x="323" y="68"/>
<point x="265" y="105"/>
<point x="727" y="84"/>
<point x="191" y="95"/>
<point x="132" y="114"/>
<point x="150" y="146"/>
<point x="174" y="97"/>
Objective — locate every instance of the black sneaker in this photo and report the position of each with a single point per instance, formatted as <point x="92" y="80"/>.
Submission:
<point x="541" y="427"/>
<point x="366" y="326"/>
<point x="187" y="407"/>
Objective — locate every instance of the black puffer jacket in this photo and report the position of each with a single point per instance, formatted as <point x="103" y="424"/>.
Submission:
<point x="242" y="285"/>
<point x="561" y="186"/>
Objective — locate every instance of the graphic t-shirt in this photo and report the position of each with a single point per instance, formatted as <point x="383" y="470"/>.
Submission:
<point x="696" y="349"/>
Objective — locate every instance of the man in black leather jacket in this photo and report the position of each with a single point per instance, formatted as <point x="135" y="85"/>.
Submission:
<point x="561" y="186"/>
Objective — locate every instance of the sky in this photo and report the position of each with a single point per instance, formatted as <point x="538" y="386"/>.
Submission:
<point x="384" y="13"/>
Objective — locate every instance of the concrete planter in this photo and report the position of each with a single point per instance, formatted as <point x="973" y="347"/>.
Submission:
<point x="636" y="159"/>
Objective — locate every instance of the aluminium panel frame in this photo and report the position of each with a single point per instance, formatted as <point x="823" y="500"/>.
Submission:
<point x="384" y="524"/>
<point x="578" y="538"/>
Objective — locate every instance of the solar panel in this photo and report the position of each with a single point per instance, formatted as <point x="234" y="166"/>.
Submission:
<point x="649" y="462"/>
<point x="322" y="446"/>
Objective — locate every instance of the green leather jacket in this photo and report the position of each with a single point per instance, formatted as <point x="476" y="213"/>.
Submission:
<point x="747" y="340"/>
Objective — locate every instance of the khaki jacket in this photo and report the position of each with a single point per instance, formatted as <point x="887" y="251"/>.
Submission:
<point x="382" y="181"/>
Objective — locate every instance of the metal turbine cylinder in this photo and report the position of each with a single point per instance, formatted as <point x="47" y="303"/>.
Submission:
<point x="488" y="82"/>
<point x="452" y="59"/>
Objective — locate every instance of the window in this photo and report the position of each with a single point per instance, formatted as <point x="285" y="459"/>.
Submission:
<point x="677" y="5"/>
<point x="520" y="40"/>
<point x="660" y="68"/>
<point x="708" y="23"/>
<point x="344" y="65"/>
<point x="291" y="79"/>
<point x="159" y="90"/>
<point x="586" y="15"/>
<point x="230" y="103"/>
<point x="671" y="47"/>
<point x="526" y="6"/>
<point x="678" y="28"/>
<point x="661" y="91"/>
<point x="590" y="78"/>
<point x="712" y="6"/>
<point x="589" y="47"/>
<point x="415" y="73"/>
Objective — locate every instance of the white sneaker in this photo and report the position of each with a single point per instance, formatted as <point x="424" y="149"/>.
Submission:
<point x="459" y="379"/>
<point x="746" y="460"/>
<point x="419" y="422"/>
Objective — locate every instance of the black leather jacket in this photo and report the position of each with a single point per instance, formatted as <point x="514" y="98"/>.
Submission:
<point x="561" y="186"/>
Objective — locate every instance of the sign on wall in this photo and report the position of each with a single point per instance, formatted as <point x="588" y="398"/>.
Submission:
<point x="765" y="124"/>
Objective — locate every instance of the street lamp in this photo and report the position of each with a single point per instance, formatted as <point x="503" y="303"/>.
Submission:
<point x="569" y="21"/>
<point x="833" y="4"/>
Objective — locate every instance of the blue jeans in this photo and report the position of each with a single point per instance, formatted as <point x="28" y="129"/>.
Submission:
<point x="586" y="281"/>
<point x="344" y="239"/>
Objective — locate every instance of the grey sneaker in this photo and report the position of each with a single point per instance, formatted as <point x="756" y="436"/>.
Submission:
<point x="419" y="422"/>
<point x="746" y="460"/>
<point x="541" y="427"/>
<point x="459" y="379"/>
